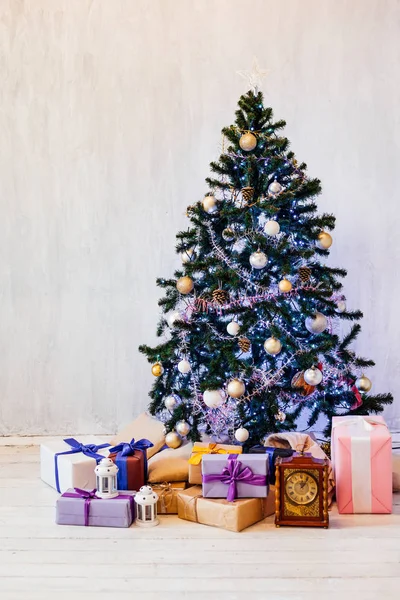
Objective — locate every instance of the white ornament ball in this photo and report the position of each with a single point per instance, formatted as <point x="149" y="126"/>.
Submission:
<point x="285" y="285"/>
<point x="313" y="376"/>
<point x="316" y="324"/>
<point x="188" y="255"/>
<point x="209" y="204"/>
<point x="184" y="366"/>
<point x="275" y="188"/>
<point x="340" y="306"/>
<point x="235" y="388"/>
<point x="272" y="346"/>
<point x="364" y="384"/>
<point x="233" y="328"/>
<point x="272" y="228"/>
<point x="324" y="241"/>
<point x="248" y="142"/>
<point x="214" y="398"/>
<point x="182" y="428"/>
<point x="258" y="259"/>
<point x="242" y="434"/>
<point x="173" y="317"/>
<point x="170" y="402"/>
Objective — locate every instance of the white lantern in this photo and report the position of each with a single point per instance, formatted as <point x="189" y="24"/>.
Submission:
<point x="106" y="478"/>
<point x="146" y="507"/>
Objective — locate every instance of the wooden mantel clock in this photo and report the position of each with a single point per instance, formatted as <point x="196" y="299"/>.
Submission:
<point x="301" y="490"/>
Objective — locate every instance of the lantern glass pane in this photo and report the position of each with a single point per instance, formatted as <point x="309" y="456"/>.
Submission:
<point x="140" y="512"/>
<point x="114" y="483"/>
<point x="98" y="483"/>
<point x="105" y="484"/>
<point x="149" y="513"/>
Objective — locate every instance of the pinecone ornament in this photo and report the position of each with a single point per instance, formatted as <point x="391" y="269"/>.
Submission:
<point x="220" y="296"/>
<point x="247" y="194"/>
<point x="304" y="274"/>
<point x="244" y="344"/>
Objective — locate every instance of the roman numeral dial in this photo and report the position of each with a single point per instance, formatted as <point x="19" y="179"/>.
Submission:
<point x="301" y="487"/>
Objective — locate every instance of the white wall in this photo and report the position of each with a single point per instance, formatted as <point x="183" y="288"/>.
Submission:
<point x="110" y="111"/>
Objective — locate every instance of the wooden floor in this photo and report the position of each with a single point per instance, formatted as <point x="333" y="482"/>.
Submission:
<point x="357" y="558"/>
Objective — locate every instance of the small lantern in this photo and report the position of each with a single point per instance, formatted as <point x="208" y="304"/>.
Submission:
<point x="146" y="503"/>
<point x="106" y="478"/>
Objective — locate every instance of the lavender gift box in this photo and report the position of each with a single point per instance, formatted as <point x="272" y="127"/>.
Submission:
<point x="83" y="507"/>
<point x="235" y="476"/>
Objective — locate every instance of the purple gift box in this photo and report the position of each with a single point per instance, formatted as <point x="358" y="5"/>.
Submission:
<point x="83" y="507"/>
<point x="235" y="476"/>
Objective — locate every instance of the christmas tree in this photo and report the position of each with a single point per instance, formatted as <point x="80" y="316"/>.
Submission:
<point x="251" y="318"/>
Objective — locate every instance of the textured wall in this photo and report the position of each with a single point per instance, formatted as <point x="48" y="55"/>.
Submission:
<point x="110" y="112"/>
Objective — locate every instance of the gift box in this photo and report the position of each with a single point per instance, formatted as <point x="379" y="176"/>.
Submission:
<point x="201" y="449"/>
<point x="131" y="460"/>
<point x="272" y="454"/>
<point x="70" y="463"/>
<point x="233" y="516"/>
<point x="83" y="507"/>
<point x="168" y="496"/>
<point x="170" y="464"/>
<point x="234" y="476"/>
<point x="362" y="463"/>
<point x="144" y="426"/>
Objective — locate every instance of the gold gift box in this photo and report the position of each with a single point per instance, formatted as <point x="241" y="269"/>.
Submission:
<point x="167" y="496"/>
<point x="199" y="450"/>
<point x="233" y="516"/>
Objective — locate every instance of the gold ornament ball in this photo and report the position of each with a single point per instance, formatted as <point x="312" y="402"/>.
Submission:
<point x="173" y="440"/>
<point x="248" y="142"/>
<point x="324" y="241"/>
<point x="285" y="285"/>
<point x="209" y="204"/>
<point x="185" y="285"/>
<point x="236" y="388"/>
<point x="272" y="346"/>
<point x="364" y="384"/>
<point x="157" y="369"/>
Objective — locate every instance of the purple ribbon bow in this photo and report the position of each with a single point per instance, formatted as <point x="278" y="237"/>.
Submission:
<point x="232" y="474"/>
<point x="89" y="495"/>
<point x="89" y="450"/>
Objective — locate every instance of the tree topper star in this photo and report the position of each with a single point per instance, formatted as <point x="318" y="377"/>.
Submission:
<point x="255" y="76"/>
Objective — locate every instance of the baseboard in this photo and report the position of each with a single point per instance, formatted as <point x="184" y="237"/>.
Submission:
<point x="36" y="440"/>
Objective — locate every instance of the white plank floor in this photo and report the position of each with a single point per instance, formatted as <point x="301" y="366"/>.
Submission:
<point x="358" y="557"/>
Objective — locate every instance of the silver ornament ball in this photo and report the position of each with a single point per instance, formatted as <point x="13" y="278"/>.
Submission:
<point x="316" y="324"/>
<point x="340" y="306"/>
<point x="313" y="376"/>
<point x="258" y="260"/>
<point x="275" y="188"/>
<point x="228" y="234"/>
<point x="173" y="439"/>
<point x="188" y="255"/>
<point x="182" y="428"/>
<point x="280" y="416"/>
<point x="170" y="402"/>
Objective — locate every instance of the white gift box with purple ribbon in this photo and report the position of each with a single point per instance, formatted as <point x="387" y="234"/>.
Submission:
<point x="70" y="463"/>
<point x="235" y="476"/>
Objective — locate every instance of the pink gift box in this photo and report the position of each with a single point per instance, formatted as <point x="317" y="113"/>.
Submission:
<point x="362" y="464"/>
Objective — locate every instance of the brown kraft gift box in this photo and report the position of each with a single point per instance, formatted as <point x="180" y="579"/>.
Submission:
<point x="168" y="496"/>
<point x="233" y="516"/>
<point x="199" y="450"/>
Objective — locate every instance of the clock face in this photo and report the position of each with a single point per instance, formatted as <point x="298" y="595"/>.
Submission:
<point x="301" y="487"/>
